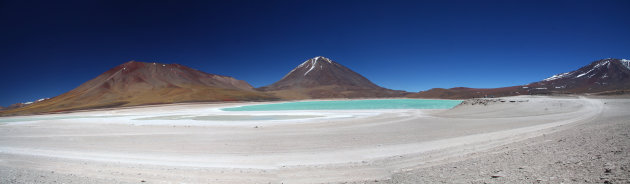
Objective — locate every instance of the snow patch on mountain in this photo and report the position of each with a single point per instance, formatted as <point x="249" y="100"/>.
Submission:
<point x="598" y="65"/>
<point x="557" y="76"/>
<point x="313" y="63"/>
<point x="625" y="63"/>
<point x="39" y="100"/>
<point x="583" y="74"/>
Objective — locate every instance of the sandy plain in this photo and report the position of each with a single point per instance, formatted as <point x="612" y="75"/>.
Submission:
<point x="189" y="144"/>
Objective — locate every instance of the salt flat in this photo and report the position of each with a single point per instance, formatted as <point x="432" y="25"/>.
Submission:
<point x="146" y="144"/>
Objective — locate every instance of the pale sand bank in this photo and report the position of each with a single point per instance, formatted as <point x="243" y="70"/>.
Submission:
<point x="328" y="146"/>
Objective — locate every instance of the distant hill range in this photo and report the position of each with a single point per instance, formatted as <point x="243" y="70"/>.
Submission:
<point x="18" y="105"/>
<point x="139" y="83"/>
<point x="321" y="77"/>
<point x="606" y="76"/>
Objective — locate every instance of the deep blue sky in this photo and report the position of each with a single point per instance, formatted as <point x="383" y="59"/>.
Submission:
<point x="50" y="47"/>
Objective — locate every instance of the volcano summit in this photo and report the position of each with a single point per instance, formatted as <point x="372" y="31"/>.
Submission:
<point x="321" y="77"/>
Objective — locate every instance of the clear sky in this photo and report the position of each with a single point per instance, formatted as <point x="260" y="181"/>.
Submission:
<point x="50" y="47"/>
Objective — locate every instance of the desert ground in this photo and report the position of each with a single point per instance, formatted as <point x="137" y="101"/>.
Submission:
<point x="524" y="139"/>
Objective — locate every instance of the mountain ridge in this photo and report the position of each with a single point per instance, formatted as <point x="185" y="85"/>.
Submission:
<point x="141" y="83"/>
<point x="602" y="76"/>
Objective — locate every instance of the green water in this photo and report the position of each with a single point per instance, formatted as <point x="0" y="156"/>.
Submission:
<point x="351" y="105"/>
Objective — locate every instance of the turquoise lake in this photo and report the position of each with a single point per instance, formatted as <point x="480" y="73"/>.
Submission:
<point x="352" y="105"/>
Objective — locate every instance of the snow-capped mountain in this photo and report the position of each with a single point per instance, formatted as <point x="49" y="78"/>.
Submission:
<point x="601" y="75"/>
<point x="320" y="77"/>
<point x="321" y="71"/>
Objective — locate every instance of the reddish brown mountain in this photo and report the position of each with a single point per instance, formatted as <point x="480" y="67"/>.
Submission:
<point x="602" y="76"/>
<point x="321" y="77"/>
<point x="138" y="83"/>
<point x="15" y="106"/>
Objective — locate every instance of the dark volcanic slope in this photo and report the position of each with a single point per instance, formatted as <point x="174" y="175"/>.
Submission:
<point x="138" y="83"/>
<point x="602" y="76"/>
<point x="321" y="77"/>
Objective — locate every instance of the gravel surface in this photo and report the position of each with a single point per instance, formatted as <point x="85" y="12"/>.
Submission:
<point x="20" y="175"/>
<point x="594" y="151"/>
